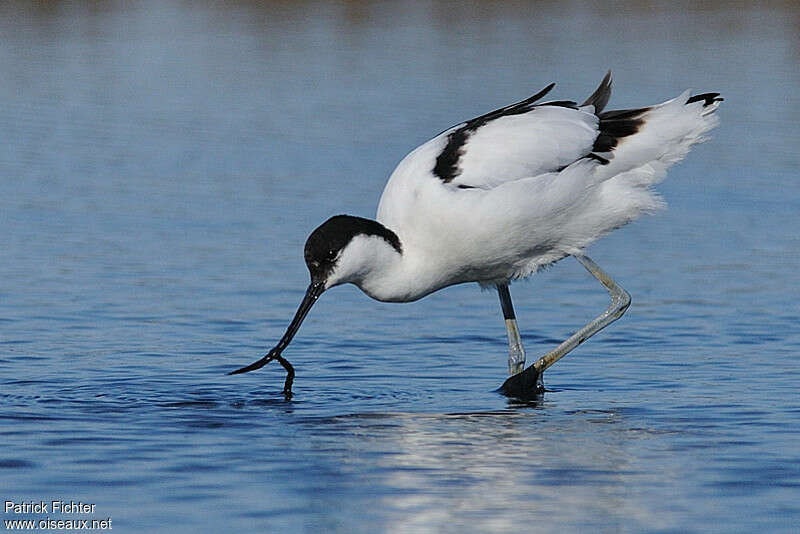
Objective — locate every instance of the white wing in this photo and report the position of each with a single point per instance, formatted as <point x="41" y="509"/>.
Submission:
<point x="518" y="141"/>
<point x="545" y="139"/>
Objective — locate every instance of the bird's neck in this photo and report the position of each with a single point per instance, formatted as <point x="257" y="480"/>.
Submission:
<point x="399" y="277"/>
<point x="383" y="268"/>
<point x="385" y="276"/>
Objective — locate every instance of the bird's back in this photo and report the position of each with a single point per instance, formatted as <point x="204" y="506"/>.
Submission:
<point x="504" y="194"/>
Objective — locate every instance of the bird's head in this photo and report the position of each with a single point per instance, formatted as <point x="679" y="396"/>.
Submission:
<point x="347" y="249"/>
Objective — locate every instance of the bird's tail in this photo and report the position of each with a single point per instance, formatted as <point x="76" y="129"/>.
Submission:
<point x="656" y="136"/>
<point x="638" y="146"/>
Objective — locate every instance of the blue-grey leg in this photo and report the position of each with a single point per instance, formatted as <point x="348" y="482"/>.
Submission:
<point x="529" y="381"/>
<point x="516" y="353"/>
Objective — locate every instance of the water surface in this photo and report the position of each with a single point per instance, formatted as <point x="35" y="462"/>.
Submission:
<point x="162" y="164"/>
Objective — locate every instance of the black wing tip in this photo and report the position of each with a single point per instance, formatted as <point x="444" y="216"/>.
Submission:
<point x="707" y="98"/>
<point x="601" y="95"/>
<point x="533" y="98"/>
<point x="561" y="103"/>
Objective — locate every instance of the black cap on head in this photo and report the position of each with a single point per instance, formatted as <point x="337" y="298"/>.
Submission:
<point x="328" y="239"/>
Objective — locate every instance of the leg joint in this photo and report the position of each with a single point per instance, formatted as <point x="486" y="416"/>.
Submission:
<point x="620" y="302"/>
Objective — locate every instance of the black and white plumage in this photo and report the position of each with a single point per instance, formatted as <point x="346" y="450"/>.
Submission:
<point x="502" y="195"/>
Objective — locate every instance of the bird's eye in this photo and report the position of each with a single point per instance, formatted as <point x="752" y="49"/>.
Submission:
<point x="331" y="254"/>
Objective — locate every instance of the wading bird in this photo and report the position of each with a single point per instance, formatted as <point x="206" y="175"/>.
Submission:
<point x="500" y="196"/>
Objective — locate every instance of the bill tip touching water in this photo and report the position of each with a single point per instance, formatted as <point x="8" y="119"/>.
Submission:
<point x="498" y="197"/>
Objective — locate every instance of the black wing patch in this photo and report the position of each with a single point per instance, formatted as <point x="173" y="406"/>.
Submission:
<point x="616" y="124"/>
<point x="446" y="167"/>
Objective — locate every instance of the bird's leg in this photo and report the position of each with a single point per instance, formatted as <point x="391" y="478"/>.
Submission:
<point x="516" y="354"/>
<point x="521" y="385"/>
<point x="620" y="300"/>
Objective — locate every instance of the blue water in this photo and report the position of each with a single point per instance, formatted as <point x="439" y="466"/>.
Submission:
<point x="162" y="163"/>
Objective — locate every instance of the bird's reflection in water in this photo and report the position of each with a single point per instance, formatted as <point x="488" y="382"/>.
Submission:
<point x="486" y="471"/>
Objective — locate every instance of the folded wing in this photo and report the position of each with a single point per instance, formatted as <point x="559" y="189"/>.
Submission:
<point x="518" y="141"/>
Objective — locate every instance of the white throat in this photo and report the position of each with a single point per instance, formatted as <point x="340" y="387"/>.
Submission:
<point x="375" y="266"/>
